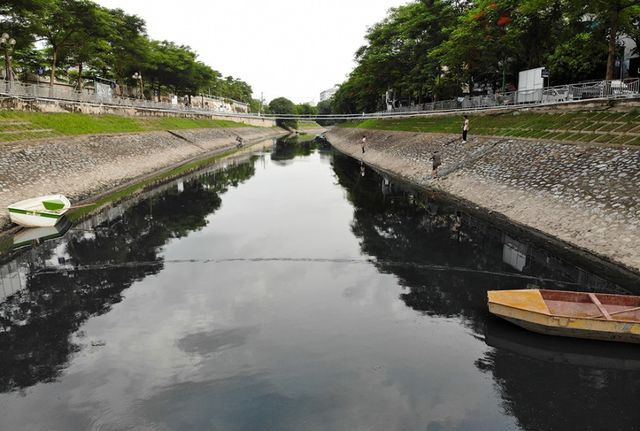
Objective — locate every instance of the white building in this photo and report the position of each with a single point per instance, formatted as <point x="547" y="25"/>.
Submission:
<point x="328" y="94"/>
<point x="630" y="66"/>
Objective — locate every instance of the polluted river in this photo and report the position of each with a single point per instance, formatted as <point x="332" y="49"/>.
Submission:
<point x="295" y="289"/>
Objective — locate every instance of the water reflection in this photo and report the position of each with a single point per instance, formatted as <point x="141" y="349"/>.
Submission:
<point x="41" y="308"/>
<point x="313" y="297"/>
<point x="546" y="383"/>
<point x="288" y="148"/>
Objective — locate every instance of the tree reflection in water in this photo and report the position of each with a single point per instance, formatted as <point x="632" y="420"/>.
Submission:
<point x="289" y="148"/>
<point x="535" y="375"/>
<point x="36" y="323"/>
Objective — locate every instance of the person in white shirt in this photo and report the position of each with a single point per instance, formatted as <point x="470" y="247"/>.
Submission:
<point x="465" y="129"/>
<point x="364" y="141"/>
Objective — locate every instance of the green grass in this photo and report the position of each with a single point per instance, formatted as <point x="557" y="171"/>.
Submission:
<point x="16" y="125"/>
<point x="308" y="125"/>
<point x="573" y="126"/>
<point x="121" y="193"/>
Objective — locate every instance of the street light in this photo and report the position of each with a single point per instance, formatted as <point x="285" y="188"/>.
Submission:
<point x="138" y="77"/>
<point x="7" y="42"/>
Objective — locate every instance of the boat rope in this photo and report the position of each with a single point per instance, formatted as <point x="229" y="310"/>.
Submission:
<point x="413" y="265"/>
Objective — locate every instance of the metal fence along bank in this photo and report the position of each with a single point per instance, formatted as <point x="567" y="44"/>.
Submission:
<point x="594" y="90"/>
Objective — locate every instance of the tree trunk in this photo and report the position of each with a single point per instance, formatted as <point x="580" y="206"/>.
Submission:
<point x="80" y="77"/>
<point x="53" y="68"/>
<point x="613" y="33"/>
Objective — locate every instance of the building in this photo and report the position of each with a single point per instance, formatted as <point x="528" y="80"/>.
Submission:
<point x="328" y="94"/>
<point x="630" y="66"/>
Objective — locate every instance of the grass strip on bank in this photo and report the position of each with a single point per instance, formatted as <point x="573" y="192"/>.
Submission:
<point x="16" y="125"/>
<point x="597" y="127"/>
<point x="129" y="190"/>
<point x="308" y="125"/>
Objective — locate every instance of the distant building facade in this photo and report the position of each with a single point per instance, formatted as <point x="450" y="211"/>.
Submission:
<point x="328" y="94"/>
<point x="630" y="67"/>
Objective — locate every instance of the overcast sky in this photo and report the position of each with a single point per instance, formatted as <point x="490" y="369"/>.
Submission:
<point x="291" y="48"/>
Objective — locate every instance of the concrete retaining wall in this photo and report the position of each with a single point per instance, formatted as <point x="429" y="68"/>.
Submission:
<point x="84" y="166"/>
<point x="46" y="105"/>
<point x="585" y="195"/>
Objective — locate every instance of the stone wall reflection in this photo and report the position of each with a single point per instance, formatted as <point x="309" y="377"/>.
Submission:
<point x="46" y="296"/>
<point x="534" y="374"/>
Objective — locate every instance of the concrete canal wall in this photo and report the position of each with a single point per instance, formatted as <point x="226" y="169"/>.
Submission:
<point x="584" y="194"/>
<point x="84" y="166"/>
<point x="50" y="105"/>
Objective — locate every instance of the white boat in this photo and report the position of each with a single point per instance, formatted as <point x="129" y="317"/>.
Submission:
<point x="39" y="212"/>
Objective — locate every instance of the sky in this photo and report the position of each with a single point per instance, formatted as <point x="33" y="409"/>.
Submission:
<point x="290" y="48"/>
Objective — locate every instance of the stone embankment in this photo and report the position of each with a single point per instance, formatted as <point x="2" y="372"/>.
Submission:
<point x="83" y="166"/>
<point x="585" y="195"/>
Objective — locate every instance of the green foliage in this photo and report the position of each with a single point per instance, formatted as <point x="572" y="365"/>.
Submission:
<point x="282" y="105"/>
<point x="431" y="50"/>
<point x="306" y="109"/>
<point x="82" y="39"/>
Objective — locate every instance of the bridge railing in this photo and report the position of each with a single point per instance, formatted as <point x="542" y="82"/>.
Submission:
<point x="550" y="95"/>
<point x="617" y="89"/>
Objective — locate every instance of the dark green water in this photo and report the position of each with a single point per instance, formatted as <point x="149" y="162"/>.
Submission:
<point x="295" y="291"/>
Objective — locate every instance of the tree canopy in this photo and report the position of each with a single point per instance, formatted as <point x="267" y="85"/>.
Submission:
<point x="282" y="105"/>
<point x="78" y="39"/>
<point x="430" y="50"/>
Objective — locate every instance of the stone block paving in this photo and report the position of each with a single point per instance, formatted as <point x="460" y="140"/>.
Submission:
<point x="82" y="166"/>
<point x="587" y="195"/>
<point x="601" y="178"/>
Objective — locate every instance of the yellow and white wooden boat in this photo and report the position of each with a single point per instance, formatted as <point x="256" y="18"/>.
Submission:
<point x="595" y="316"/>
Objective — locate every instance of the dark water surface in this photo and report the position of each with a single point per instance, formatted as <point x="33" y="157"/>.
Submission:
<point x="295" y="291"/>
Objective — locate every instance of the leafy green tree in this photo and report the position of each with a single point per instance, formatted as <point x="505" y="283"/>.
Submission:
<point x="282" y="105"/>
<point x="396" y="57"/>
<point x="129" y="46"/>
<point x="57" y="22"/>
<point x="89" y="43"/>
<point x="617" y="16"/>
<point x="306" y="109"/>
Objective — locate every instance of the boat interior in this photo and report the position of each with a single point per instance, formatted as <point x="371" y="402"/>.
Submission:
<point x="592" y="305"/>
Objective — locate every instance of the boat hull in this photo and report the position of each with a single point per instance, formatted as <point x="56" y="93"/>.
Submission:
<point x="591" y="329"/>
<point x="33" y="213"/>
<point x="31" y="220"/>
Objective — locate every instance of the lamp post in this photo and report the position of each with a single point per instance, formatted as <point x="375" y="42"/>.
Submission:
<point x="138" y="77"/>
<point x="7" y="42"/>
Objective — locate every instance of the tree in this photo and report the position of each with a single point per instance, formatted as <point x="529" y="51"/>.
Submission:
<point x="56" y="22"/>
<point x="306" y="109"/>
<point x="129" y="46"/>
<point x="396" y="57"/>
<point x="617" y="16"/>
<point x="282" y="105"/>
<point x="89" y="43"/>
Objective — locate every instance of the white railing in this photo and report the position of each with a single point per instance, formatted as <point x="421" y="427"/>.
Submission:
<point x="628" y="88"/>
<point x="559" y="94"/>
<point x="23" y="90"/>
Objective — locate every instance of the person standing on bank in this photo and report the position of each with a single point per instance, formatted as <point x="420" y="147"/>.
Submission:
<point x="364" y="141"/>
<point x="465" y="129"/>
<point x="437" y="161"/>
